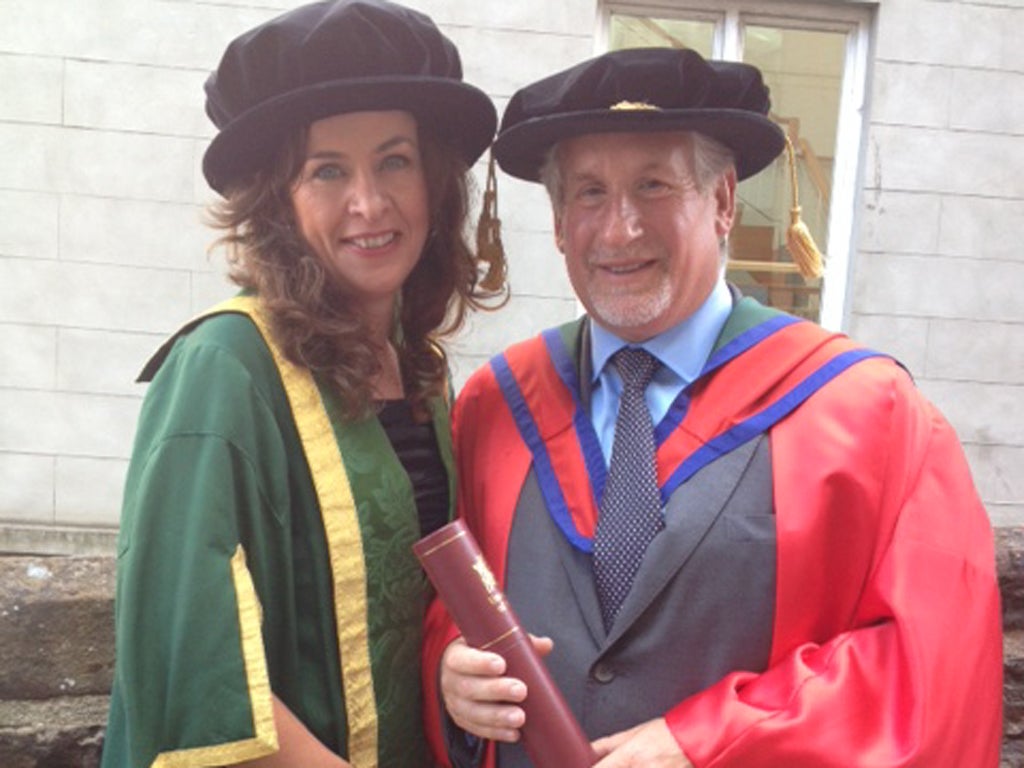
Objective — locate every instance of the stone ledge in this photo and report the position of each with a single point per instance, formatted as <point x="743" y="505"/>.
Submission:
<point x="40" y="540"/>
<point x="1010" y="562"/>
<point x="56" y="635"/>
<point x="58" y="732"/>
<point x="56" y="631"/>
<point x="1013" y="698"/>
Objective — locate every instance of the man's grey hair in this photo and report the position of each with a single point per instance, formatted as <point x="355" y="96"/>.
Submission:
<point x="709" y="158"/>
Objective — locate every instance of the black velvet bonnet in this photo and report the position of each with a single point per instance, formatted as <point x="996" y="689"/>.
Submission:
<point x="330" y="58"/>
<point x="638" y="90"/>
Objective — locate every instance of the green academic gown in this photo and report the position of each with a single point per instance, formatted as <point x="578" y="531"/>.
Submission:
<point x="264" y="547"/>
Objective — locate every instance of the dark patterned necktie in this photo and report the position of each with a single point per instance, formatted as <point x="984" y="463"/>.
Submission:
<point x="630" y="514"/>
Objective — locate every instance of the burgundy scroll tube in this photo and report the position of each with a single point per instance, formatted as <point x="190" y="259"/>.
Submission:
<point x="453" y="561"/>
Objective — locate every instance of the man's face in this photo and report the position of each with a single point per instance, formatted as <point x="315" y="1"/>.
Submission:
<point x="640" y="239"/>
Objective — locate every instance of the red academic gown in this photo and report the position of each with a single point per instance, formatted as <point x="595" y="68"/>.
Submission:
<point x="886" y="647"/>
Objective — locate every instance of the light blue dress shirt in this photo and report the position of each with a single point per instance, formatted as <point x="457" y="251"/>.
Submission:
<point x="683" y="350"/>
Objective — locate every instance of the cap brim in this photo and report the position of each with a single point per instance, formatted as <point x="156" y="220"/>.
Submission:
<point x="455" y="112"/>
<point x="754" y="139"/>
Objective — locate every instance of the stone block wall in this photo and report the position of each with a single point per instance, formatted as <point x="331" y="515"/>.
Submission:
<point x="56" y="659"/>
<point x="103" y="251"/>
<point x="57" y="656"/>
<point x="1010" y="553"/>
<point x="941" y="217"/>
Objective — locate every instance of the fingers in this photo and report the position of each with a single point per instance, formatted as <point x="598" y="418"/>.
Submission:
<point x="478" y="698"/>
<point x="460" y="658"/>
<point x="648" y="745"/>
<point x="608" y="744"/>
<point x="542" y="645"/>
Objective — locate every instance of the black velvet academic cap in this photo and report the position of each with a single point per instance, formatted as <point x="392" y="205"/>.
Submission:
<point x="646" y="90"/>
<point x="329" y="58"/>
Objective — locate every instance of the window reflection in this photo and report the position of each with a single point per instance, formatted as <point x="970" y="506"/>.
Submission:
<point x="804" y="70"/>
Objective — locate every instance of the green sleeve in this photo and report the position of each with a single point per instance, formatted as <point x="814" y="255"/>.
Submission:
<point x="191" y="683"/>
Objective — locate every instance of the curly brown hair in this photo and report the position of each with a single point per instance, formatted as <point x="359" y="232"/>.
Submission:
<point x="310" y="316"/>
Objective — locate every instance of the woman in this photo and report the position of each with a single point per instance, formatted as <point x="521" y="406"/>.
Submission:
<point x="294" y="441"/>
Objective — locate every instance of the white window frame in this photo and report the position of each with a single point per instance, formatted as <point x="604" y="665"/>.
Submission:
<point x="852" y="18"/>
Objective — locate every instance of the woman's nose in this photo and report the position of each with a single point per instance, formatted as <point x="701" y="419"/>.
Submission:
<point x="366" y="197"/>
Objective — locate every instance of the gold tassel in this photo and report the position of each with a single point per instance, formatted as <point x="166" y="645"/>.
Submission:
<point x="489" y="249"/>
<point x="799" y="241"/>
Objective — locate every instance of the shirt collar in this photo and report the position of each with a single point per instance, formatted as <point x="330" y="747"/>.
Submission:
<point x="683" y="348"/>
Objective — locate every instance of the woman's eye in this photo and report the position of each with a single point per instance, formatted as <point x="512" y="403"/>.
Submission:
<point x="395" y="162"/>
<point x="328" y="172"/>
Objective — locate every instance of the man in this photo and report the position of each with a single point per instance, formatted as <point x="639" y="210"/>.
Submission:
<point x="807" y="579"/>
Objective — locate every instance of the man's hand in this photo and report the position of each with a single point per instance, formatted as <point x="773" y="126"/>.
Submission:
<point x="648" y="745"/>
<point x="477" y="695"/>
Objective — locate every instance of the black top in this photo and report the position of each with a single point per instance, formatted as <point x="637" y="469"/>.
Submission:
<point x="416" y="447"/>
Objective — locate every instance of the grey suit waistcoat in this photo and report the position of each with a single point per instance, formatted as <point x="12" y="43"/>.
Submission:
<point x="702" y="605"/>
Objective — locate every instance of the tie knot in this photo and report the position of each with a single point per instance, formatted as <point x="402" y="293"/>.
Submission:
<point x="636" y="366"/>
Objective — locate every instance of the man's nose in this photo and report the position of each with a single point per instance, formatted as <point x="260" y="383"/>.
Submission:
<point x="622" y="223"/>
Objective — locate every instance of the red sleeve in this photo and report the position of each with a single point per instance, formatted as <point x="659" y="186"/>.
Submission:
<point x="439" y="629"/>
<point x="485" y="438"/>
<point x="888" y="647"/>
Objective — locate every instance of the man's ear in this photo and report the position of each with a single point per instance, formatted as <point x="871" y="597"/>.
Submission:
<point x="725" y="203"/>
<point x="559" y="238"/>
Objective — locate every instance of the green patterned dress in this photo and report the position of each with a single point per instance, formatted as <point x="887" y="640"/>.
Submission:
<point x="265" y="546"/>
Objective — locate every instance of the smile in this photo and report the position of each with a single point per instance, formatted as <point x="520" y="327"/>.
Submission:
<point x="624" y="269"/>
<point x="369" y="242"/>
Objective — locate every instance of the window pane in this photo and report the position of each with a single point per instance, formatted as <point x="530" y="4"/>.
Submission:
<point x="646" y="32"/>
<point x="804" y="71"/>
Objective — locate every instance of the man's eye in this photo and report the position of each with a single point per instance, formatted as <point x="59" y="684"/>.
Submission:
<point x="652" y="185"/>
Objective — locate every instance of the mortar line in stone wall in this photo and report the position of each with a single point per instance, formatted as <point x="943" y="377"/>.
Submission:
<point x="973" y="382"/>
<point x="139" y="64"/>
<point x="928" y="320"/>
<point x="78" y="456"/>
<point x="53" y="492"/>
<point x="942" y="318"/>
<point x="948" y="129"/>
<point x="119" y="265"/>
<point x="156" y="336"/>
<point x="63" y="87"/>
<point x="75" y="392"/>
<point x="941" y="193"/>
<point x="57" y="193"/>
<point x="934" y="255"/>
<point x="948" y="66"/>
<point x="918" y="192"/>
<point x="124" y="131"/>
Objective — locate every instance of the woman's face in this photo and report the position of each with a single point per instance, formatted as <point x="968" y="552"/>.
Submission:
<point x="360" y="202"/>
